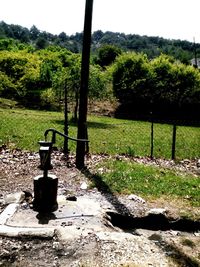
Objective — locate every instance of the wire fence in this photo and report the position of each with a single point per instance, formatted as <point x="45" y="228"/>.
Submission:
<point x="137" y="138"/>
<point x="111" y="136"/>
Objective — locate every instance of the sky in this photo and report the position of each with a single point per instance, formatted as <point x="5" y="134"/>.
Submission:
<point x="171" y="19"/>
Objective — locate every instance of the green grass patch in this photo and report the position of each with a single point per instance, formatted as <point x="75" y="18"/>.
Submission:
<point x="22" y="128"/>
<point x="127" y="177"/>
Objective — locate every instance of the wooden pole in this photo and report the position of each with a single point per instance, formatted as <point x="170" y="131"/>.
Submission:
<point x="82" y="121"/>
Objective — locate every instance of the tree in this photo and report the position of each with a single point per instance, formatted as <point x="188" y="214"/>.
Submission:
<point x="41" y="43"/>
<point x="63" y="37"/>
<point x="34" y="32"/>
<point x="131" y="74"/>
<point x="98" y="83"/>
<point x="7" y="87"/>
<point x="97" y="35"/>
<point x="72" y="77"/>
<point x="6" y="30"/>
<point x="20" y="72"/>
<point x="21" y="33"/>
<point x="163" y="85"/>
<point x="107" y="55"/>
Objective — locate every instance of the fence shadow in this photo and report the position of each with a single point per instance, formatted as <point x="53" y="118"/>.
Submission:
<point x="90" y="124"/>
<point x="178" y="256"/>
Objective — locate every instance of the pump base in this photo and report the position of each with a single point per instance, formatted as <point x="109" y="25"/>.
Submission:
<point x="45" y="193"/>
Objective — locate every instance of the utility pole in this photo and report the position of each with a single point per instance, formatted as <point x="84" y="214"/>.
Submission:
<point x="82" y="121"/>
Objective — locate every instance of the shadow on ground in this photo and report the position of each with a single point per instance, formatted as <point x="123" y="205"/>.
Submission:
<point x="178" y="256"/>
<point x="90" y="124"/>
<point x="105" y="190"/>
<point x="123" y="218"/>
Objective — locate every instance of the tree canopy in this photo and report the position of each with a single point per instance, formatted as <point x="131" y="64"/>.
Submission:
<point x="37" y="70"/>
<point x="163" y="86"/>
<point x="153" y="46"/>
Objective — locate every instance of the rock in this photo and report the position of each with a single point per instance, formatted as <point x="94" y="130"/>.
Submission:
<point x="84" y="186"/>
<point x="198" y="163"/>
<point x="31" y="157"/>
<point x="157" y="211"/>
<point x="197" y="234"/>
<point x="155" y="237"/>
<point x="173" y="233"/>
<point x="136" y="198"/>
<point x="14" y="198"/>
<point x="100" y="170"/>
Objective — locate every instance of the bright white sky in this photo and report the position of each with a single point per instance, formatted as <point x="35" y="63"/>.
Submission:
<point x="172" y="19"/>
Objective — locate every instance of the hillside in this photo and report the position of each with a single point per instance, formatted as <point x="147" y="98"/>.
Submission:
<point x="152" y="46"/>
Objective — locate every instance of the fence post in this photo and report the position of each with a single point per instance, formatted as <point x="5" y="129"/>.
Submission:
<point x="152" y="135"/>
<point x="66" y="123"/>
<point x="174" y="142"/>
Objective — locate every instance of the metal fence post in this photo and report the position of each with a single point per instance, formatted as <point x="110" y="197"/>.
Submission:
<point x="173" y="142"/>
<point x="152" y="135"/>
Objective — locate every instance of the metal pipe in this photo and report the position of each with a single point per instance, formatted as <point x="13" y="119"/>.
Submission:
<point x="54" y="132"/>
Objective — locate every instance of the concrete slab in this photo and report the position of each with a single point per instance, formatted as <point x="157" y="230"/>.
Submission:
<point x="8" y="213"/>
<point x="70" y="220"/>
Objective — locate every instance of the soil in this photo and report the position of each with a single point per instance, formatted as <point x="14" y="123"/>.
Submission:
<point x="119" y="247"/>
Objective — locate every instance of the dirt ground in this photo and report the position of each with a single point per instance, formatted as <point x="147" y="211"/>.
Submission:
<point x="116" y="247"/>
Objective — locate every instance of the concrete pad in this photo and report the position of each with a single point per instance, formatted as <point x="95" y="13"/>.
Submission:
<point x="72" y="219"/>
<point x="8" y="212"/>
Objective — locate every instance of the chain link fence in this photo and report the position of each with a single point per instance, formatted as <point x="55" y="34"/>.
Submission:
<point x="107" y="135"/>
<point x="138" y="138"/>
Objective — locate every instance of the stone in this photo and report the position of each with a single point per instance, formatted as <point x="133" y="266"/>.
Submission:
<point x="155" y="237"/>
<point x="136" y="198"/>
<point x="157" y="211"/>
<point x="198" y="163"/>
<point x="8" y="212"/>
<point x="84" y="186"/>
<point x="14" y="198"/>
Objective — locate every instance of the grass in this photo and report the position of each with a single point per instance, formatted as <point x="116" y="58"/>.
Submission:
<point x="23" y="128"/>
<point x="128" y="177"/>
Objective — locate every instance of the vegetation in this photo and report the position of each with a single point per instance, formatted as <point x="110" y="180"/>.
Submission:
<point x="38" y="79"/>
<point x="37" y="69"/>
<point x="152" y="46"/>
<point x="163" y="86"/>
